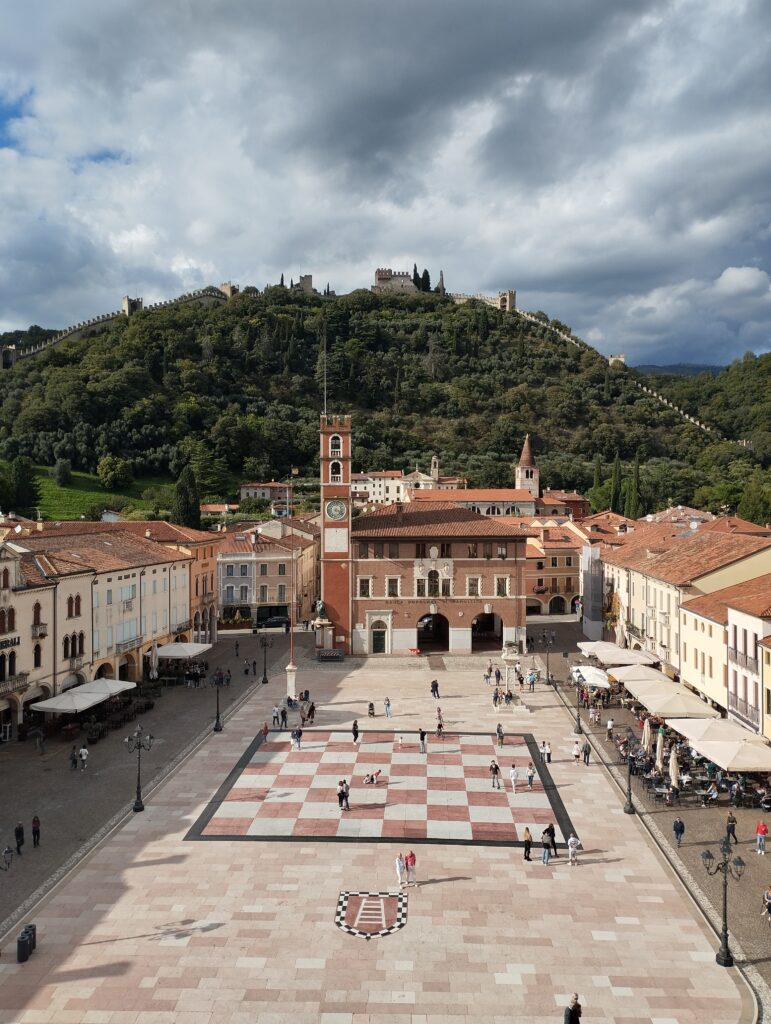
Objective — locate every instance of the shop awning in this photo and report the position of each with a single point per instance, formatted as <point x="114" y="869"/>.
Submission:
<point x="106" y="687"/>
<point x="612" y="654"/>
<point x="670" y="701"/>
<point x="183" y="652"/>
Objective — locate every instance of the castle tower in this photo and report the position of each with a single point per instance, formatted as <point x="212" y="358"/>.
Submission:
<point x="526" y="474"/>
<point x="441" y="282"/>
<point x="435" y="468"/>
<point x="336" y="530"/>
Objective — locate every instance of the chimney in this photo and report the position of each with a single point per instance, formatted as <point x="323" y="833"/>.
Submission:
<point x="39" y="525"/>
<point x="399" y="506"/>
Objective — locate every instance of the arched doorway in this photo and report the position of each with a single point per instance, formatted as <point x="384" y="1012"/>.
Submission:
<point x="533" y="606"/>
<point x="126" y="668"/>
<point x="197" y="628"/>
<point x="379" y="637"/>
<point x="433" y="633"/>
<point x="104" y="671"/>
<point x="486" y="632"/>
<point x="557" y="606"/>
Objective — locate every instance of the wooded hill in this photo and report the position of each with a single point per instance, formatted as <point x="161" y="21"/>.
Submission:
<point x="237" y="389"/>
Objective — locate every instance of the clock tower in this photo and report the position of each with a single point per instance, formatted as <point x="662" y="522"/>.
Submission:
<point x="336" y="530"/>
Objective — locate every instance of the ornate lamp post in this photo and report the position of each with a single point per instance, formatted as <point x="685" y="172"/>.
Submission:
<point x="139" y="740"/>
<point x="7" y="858"/>
<point x="265" y="643"/>
<point x="578" y="729"/>
<point x="629" y="806"/>
<point x="735" y="868"/>
<point x="218" y="682"/>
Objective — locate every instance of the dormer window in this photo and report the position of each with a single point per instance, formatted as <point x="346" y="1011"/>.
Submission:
<point x="335" y="446"/>
<point x="335" y="472"/>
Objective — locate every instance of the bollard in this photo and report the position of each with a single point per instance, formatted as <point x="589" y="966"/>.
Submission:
<point x="32" y="930"/>
<point x="22" y="948"/>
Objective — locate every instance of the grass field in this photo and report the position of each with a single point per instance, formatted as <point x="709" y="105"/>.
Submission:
<point x="72" y="502"/>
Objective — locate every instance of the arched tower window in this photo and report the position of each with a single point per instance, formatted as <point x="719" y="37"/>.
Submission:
<point x="335" y="446"/>
<point x="81" y="643"/>
<point x="66" y="647"/>
<point x="433" y="583"/>
<point x="37" y="656"/>
<point x="2" y="620"/>
<point x="36" y="614"/>
<point x="6" y="579"/>
<point x="12" y="663"/>
<point x="335" y="473"/>
<point x="77" y="604"/>
<point x="11" y="620"/>
<point x="70" y="607"/>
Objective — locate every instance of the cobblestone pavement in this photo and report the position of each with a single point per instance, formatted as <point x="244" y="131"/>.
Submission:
<point x="74" y="806"/>
<point x="155" y="929"/>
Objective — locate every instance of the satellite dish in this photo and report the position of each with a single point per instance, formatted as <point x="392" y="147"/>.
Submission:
<point x="649" y="518"/>
<point x="17" y="528"/>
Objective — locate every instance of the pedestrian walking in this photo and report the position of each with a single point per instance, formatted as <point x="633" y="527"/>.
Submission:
<point x="254" y="667"/>
<point x="527" y="838"/>
<point x="246" y="666"/>
<point x="40" y="743"/>
<point x="355" y="730"/>
<point x="678" y="827"/>
<point x="439" y="717"/>
<point x="730" y="827"/>
<point x="573" y="1010"/>
<point x="609" y="728"/>
<point x="422" y="739"/>
<point x="283" y="718"/>
<point x="545" y="848"/>
<point x="767" y="903"/>
<point x="387" y="709"/>
<point x="18" y="834"/>
<point x="548" y="752"/>
<point x="312" y="713"/>
<point x="513" y="775"/>
<point x="228" y="678"/>
<point x="276" y="715"/>
<point x="236" y="648"/>
<point x="346" y="793"/>
<point x="487" y="677"/>
<point x="576" y="752"/>
<point x="542" y="751"/>
<point x="495" y="774"/>
<point x="761" y="831"/>
<point x="435" y="689"/>
<point x="74" y="758"/>
<point x="497" y="676"/>
<point x="496" y="697"/>
<point x="264" y="731"/>
<point x="35" y="831"/>
<point x="531" y="682"/>
<point x="412" y="866"/>
<point x="550" y="831"/>
<point x="401" y="869"/>
<point x="586" y="751"/>
<point x="340" y="794"/>
<point x="530" y="774"/>
<point x="489" y="669"/>
<point x="573" y="845"/>
<point x="83" y="756"/>
<point x="499" y="734"/>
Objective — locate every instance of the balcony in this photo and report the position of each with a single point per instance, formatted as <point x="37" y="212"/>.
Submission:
<point x="128" y="645"/>
<point x="744" y="660"/>
<point x="75" y="663"/>
<point x="128" y="605"/>
<point x="182" y="627"/>
<point x="664" y="618"/>
<point x="14" y="683"/>
<point x="742" y="709"/>
<point x="635" y="631"/>
<point x="39" y="630"/>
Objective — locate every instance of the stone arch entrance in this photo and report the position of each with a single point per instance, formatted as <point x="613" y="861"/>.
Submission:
<point x="486" y="631"/>
<point x="378" y="643"/>
<point x="557" y="605"/>
<point x="533" y="606"/>
<point x="433" y="632"/>
<point x="126" y="668"/>
<point x="104" y="671"/>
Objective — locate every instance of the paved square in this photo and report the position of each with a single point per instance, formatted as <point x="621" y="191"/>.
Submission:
<point x="445" y="795"/>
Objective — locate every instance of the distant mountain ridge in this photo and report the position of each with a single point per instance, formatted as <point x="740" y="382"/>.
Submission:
<point x="678" y="369"/>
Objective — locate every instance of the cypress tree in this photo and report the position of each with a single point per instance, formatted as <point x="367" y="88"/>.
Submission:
<point x="23" y="486"/>
<point x="615" y="486"/>
<point x="186" y="505"/>
<point x="416" y="277"/>
<point x="425" y="281"/>
<point x="597" y="472"/>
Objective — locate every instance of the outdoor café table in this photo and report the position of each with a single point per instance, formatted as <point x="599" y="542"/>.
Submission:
<point x="660" y="792"/>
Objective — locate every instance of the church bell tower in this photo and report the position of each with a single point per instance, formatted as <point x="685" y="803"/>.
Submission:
<point x="336" y="531"/>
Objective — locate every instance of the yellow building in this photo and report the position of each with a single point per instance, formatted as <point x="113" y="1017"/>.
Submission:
<point x="765" y="669"/>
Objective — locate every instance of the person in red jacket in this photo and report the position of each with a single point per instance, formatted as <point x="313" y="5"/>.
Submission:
<point x="761" y="831"/>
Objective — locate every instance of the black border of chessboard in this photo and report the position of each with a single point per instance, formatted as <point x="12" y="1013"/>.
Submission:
<point x="195" y="832"/>
<point x="401" y="914"/>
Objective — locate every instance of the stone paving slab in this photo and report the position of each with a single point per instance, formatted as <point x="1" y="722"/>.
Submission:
<point x="152" y="928"/>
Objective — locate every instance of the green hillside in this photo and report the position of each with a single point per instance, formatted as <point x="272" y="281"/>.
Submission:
<point x="238" y="389"/>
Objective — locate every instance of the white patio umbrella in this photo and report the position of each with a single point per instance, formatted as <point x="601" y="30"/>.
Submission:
<point x="713" y="730"/>
<point x="69" y="703"/>
<point x="660" y="752"/>
<point x="593" y="677"/>
<point x="638" y="674"/>
<point x="154" y="661"/>
<point x="105" y="687"/>
<point x="674" y="769"/>
<point x="612" y="654"/>
<point x="679" y="703"/>
<point x="647" y="739"/>
<point x="182" y="651"/>
<point x="737" y="757"/>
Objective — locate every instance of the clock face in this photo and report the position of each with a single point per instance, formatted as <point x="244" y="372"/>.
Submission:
<point x="336" y="510"/>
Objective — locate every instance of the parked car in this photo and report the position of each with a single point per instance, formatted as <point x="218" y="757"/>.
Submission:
<point x="274" y="622"/>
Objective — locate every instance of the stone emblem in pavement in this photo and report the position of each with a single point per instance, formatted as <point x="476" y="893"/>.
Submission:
<point x="371" y="914"/>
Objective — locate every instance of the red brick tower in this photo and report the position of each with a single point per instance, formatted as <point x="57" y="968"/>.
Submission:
<point x="336" y="529"/>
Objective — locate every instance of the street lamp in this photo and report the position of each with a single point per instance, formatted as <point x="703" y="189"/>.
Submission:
<point x="265" y="643"/>
<point x="578" y="730"/>
<point x="218" y="682"/>
<point x="139" y="740"/>
<point x="7" y="858"/>
<point x="629" y="806"/>
<point x="735" y="868"/>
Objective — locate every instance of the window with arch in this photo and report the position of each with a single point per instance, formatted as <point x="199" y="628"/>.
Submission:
<point x="2" y="621"/>
<point x="36" y="614"/>
<point x="81" y="642"/>
<point x="12" y="663"/>
<point x="433" y="583"/>
<point x="335" y="446"/>
<point x="11" y="620"/>
<point x="66" y="647"/>
<point x="70" y="606"/>
<point x="335" y="473"/>
<point x="196" y="586"/>
<point x="77" y="604"/>
<point x="379" y="624"/>
<point x="37" y="656"/>
<point x="6" y="579"/>
<point x="2" y="668"/>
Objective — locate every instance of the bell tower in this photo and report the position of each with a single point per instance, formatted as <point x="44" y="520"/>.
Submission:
<point x="527" y="476"/>
<point x="336" y="530"/>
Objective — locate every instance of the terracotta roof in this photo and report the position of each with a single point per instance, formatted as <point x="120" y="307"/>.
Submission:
<point x="752" y="597"/>
<point x="682" y="557"/>
<point x="241" y="543"/>
<point x="469" y="494"/>
<point x="563" y="496"/>
<point x="217" y="507"/>
<point x="733" y="524"/>
<point x="274" y="485"/>
<point x="160" y="531"/>
<point x="104" y="554"/>
<point x="526" y="458"/>
<point x="435" y="519"/>
<point x="677" y="514"/>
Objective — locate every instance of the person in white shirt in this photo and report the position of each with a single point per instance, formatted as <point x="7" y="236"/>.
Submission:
<point x="573" y="845"/>
<point x="83" y="755"/>
<point x="513" y="775"/>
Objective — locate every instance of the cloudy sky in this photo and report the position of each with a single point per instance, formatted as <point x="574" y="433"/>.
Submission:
<point x="609" y="160"/>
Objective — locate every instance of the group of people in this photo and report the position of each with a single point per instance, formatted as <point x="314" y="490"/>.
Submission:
<point x="406" y="869"/>
<point x="18" y="834"/>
